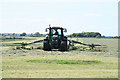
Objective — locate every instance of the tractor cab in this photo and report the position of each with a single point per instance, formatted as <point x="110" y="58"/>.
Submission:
<point x="55" y="38"/>
<point x="56" y="32"/>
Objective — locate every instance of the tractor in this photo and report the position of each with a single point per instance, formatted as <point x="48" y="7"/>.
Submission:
<point x="55" y="39"/>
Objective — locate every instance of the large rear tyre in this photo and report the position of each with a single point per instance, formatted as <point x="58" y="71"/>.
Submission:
<point x="63" y="46"/>
<point x="46" y="45"/>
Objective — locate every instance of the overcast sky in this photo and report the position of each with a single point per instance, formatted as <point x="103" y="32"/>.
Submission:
<point x="32" y="16"/>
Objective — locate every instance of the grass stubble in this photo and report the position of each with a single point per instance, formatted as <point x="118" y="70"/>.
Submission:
<point x="55" y="64"/>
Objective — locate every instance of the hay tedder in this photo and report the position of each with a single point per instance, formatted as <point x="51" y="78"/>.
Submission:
<point x="56" y="39"/>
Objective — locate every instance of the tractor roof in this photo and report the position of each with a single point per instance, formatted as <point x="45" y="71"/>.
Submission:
<point x="56" y="27"/>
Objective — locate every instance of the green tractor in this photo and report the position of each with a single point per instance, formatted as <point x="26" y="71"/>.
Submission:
<point x="55" y="39"/>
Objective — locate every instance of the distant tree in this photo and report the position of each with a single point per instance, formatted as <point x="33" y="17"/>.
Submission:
<point x="23" y="34"/>
<point x="37" y="34"/>
<point x="98" y="36"/>
<point x="3" y="34"/>
<point x="13" y="34"/>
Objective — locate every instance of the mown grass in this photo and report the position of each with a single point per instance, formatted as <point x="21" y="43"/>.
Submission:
<point x="75" y="63"/>
<point x="81" y="62"/>
<point x="17" y="66"/>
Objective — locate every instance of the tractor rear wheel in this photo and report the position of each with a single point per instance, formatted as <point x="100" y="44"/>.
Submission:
<point x="63" y="46"/>
<point x="46" y="45"/>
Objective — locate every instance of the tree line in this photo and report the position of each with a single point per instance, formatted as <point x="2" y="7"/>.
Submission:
<point x="83" y="34"/>
<point x="86" y="34"/>
<point x="37" y="34"/>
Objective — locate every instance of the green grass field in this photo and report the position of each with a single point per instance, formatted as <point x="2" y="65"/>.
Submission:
<point x="37" y="63"/>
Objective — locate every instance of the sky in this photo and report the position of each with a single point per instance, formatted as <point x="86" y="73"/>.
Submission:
<point x="77" y="16"/>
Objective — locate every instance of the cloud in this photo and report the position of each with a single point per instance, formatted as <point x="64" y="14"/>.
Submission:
<point x="93" y="15"/>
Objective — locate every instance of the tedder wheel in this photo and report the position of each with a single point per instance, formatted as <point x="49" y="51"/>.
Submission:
<point x="63" y="46"/>
<point x="46" y="45"/>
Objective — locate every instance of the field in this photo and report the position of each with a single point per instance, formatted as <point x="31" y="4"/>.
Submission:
<point x="79" y="63"/>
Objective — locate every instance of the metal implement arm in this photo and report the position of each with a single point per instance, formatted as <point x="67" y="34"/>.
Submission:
<point x="90" y="45"/>
<point x="21" y="44"/>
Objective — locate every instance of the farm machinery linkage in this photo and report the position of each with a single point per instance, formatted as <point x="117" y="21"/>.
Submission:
<point x="55" y="40"/>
